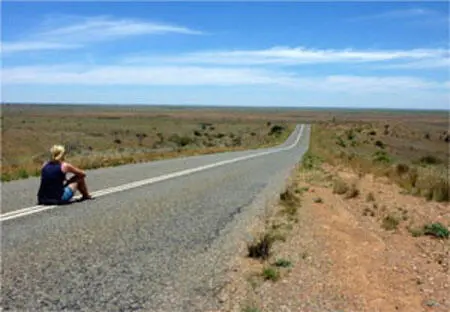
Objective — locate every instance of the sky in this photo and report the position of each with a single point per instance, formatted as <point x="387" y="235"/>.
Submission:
<point x="278" y="54"/>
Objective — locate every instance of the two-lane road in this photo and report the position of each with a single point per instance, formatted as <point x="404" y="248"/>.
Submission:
<point x="157" y="238"/>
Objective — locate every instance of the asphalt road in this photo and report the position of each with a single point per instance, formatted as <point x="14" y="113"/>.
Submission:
<point x="163" y="246"/>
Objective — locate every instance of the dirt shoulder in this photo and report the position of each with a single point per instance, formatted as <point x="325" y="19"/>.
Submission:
<point x="360" y="250"/>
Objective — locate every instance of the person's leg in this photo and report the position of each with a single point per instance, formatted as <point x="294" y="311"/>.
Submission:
<point x="82" y="187"/>
<point x="79" y="185"/>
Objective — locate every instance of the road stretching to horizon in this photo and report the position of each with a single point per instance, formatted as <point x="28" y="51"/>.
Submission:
<point x="158" y="237"/>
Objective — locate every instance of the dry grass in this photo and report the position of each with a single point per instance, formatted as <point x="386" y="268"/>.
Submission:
<point x="112" y="136"/>
<point x="415" y="161"/>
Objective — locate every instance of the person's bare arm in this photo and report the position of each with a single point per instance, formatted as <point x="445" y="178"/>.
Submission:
<point x="72" y="169"/>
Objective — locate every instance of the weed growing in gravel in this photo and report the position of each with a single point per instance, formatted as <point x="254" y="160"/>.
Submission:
<point x="283" y="263"/>
<point x="270" y="273"/>
<point x="250" y="309"/>
<point x="416" y="232"/>
<point x="390" y="223"/>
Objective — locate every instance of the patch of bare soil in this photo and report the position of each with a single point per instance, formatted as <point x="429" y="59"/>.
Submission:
<point x="350" y="254"/>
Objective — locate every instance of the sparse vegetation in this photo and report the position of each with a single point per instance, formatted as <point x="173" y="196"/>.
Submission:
<point x="340" y="186"/>
<point x="250" y="309"/>
<point x="381" y="157"/>
<point x="430" y="160"/>
<point x="260" y="249"/>
<point x="352" y="192"/>
<point x="270" y="273"/>
<point x="370" y="197"/>
<point x="311" y="161"/>
<point x="290" y="202"/>
<point x="437" y="230"/>
<point x="390" y="222"/>
<point x="283" y="263"/>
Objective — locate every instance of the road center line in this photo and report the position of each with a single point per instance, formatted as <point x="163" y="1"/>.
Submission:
<point x="35" y="209"/>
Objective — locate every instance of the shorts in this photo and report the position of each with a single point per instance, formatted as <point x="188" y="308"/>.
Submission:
<point x="67" y="195"/>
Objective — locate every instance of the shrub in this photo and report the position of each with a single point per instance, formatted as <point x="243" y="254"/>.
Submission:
<point x="430" y="160"/>
<point x="340" y="142"/>
<point x="271" y="274"/>
<point x="350" y="134"/>
<point x="311" y="161"/>
<point x="23" y="174"/>
<point x="340" y="187"/>
<point x="440" y="191"/>
<point x="437" y="230"/>
<point x="372" y="132"/>
<point x="401" y="169"/>
<point x="380" y="144"/>
<point x="352" y="192"/>
<point x="390" y="223"/>
<point x="283" y="263"/>
<point x="197" y="133"/>
<point x="181" y="141"/>
<point x="6" y="177"/>
<point x="416" y="232"/>
<point x="260" y="249"/>
<point x="381" y="157"/>
<point x="118" y="141"/>
<point x="370" y="197"/>
<point x="276" y="130"/>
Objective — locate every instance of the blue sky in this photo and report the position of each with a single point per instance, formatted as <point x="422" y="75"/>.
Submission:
<point x="334" y="54"/>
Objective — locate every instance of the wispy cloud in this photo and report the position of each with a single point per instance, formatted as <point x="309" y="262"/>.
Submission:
<point x="294" y="56"/>
<point x="410" y="14"/>
<point x="211" y="76"/>
<point x="88" y="30"/>
<point x="22" y="46"/>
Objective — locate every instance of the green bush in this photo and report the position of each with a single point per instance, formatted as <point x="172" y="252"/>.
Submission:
<point x="283" y="263"/>
<point x="271" y="274"/>
<point x="437" y="230"/>
<point x="381" y="157"/>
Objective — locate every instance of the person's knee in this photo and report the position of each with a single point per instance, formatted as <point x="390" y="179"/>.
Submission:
<point x="73" y="186"/>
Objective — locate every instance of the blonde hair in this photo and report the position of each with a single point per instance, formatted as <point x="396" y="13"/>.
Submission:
<point x="57" y="152"/>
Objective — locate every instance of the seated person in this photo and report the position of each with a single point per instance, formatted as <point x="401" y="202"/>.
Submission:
<point x="54" y="188"/>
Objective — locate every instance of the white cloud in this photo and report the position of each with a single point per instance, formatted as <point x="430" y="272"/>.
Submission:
<point x="211" y="76"/>
<point x="12" y="47"/>
<point x="105" y="28"/>
<point x="294" y="56"/>
<point x="410" y="13"/>
<point x="133" y="75"/>
<point x="88" y="30"/>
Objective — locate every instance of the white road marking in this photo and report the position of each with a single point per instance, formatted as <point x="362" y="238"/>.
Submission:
<point x="35" y="209"/>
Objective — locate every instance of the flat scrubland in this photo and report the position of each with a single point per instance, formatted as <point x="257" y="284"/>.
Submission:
<point x="103" y="136"/>
<point x="363" y="224"/>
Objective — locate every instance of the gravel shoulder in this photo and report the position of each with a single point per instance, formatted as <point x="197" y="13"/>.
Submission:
<point x="342" y="257"/>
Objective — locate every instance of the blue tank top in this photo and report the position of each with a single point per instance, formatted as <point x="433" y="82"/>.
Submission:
<point x="52" y="184"/>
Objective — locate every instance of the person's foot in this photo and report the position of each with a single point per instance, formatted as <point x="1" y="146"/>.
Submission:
<point x="87" y="197"/>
